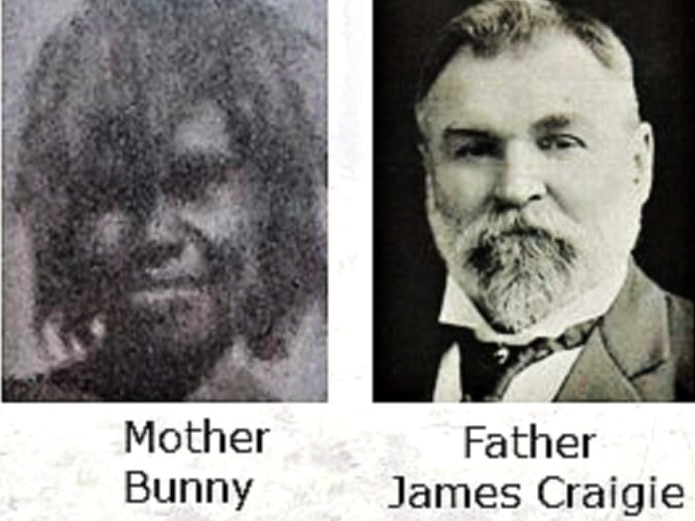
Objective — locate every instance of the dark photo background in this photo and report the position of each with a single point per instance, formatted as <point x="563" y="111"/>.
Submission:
<point x="409" y="278"/>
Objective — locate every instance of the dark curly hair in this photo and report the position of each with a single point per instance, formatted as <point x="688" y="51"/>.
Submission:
<point x="115" y="75"/>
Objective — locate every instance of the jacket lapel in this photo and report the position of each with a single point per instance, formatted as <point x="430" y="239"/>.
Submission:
<point x="625" y="358"/>
<point x="596" y="377"/>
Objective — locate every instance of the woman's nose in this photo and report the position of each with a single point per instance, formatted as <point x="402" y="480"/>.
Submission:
<point x="163" y="235"/>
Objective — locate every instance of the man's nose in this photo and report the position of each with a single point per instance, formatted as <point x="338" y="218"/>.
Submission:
<point x="520" y="180"/>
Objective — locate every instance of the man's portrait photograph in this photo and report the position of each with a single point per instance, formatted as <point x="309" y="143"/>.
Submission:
<point x="164" y="175"/>
<point x="533" y="201"/>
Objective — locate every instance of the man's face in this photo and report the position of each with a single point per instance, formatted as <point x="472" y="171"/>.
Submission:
<point x="175" y="261"/>
<point x="536" y="173"/>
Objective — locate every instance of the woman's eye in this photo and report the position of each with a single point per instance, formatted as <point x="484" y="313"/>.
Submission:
<point x="188" y="180"/>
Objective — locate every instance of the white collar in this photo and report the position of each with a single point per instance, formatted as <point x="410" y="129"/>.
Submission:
<point x="539" y="382"/>
<point x="458" y="310"/>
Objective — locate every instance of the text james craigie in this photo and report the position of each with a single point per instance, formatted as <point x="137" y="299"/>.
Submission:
<point x="630" y="497"/>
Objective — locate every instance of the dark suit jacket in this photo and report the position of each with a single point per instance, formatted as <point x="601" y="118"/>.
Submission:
<point x="642" y="350"/>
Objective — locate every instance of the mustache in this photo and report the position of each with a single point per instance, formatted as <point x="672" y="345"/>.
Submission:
<point x="520" y="237"/>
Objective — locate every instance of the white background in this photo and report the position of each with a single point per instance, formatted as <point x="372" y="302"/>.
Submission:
<point x="336" y="460"/>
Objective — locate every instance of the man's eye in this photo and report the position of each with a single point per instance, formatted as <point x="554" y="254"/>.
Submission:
<point x="476" y="149"/>
<point x="560" y="142"/>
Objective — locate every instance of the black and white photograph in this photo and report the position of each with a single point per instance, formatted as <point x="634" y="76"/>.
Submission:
<point x="263" y="237"/>
<point x="165" y="180"/>
<point x="533" y="201"/>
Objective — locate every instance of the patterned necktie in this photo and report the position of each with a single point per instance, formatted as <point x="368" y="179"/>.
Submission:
<point x="488" y="369"/>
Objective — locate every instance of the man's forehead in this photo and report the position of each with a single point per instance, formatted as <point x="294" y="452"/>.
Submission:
<point x="553" y="74"/>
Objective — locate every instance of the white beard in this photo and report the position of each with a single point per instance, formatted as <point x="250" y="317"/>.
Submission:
<point x="520" y="264"/>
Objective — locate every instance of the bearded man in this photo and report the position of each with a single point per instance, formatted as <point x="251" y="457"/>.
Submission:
<point x="537" y="166"/>
<point x="171" y="170"/>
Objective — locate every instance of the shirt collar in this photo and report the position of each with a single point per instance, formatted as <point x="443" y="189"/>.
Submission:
<point x="458" y="310"/>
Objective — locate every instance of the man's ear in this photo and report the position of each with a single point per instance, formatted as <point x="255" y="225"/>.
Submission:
<point x="643" y="156"/>
<point x="425" y="157"/>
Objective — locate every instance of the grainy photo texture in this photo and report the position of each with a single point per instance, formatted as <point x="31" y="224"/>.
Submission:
<point x="534" y="160"/>
<point x="165" y="204"/>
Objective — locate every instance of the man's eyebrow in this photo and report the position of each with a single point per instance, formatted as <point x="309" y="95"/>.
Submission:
<point x="553" y="123"/>
<point x="463" y="133"/>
